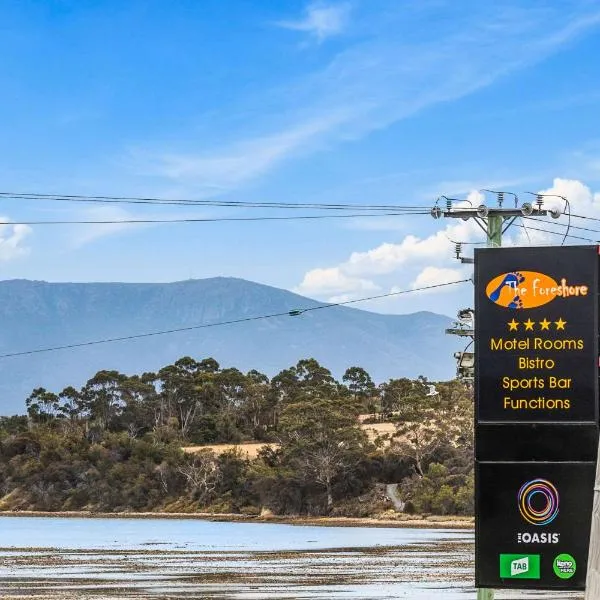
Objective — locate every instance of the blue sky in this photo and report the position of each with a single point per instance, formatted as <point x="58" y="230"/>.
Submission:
<point x="353" y="101"/>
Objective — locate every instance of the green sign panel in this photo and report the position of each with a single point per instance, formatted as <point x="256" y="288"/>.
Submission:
<point x="519" y="566"/>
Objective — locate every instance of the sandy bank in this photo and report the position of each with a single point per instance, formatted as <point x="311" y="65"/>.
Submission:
<point x="386" y="520"/>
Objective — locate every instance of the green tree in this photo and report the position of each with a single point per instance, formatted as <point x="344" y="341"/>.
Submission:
<point x="188" y="390"/>
<point x="362" y="388"/>
<point x="321" y="441"/>
<point x="102" y="398"/>
<point x="43" y="406"/>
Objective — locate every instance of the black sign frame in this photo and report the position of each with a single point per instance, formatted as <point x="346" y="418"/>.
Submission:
<point x="533" y="322"/>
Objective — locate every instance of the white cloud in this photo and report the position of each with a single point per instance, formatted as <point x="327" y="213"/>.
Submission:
<point x="581" y="201"/>
<point x="324" y="282"/>
<point x="344" y="297"/>
<point x="391" y="259"/>
<point x="423" y="261"/>
<point x="321" y="20"/>
<point x="437" y="275"/>
<point x="11" y="240"/>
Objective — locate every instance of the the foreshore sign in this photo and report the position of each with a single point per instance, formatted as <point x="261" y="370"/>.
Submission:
<point x="536" y="389"/>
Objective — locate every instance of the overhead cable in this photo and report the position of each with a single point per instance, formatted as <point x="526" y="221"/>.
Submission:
<point x="290" y="313"/>
<point x="210" y="219"/>
<point x="205" y="203"/>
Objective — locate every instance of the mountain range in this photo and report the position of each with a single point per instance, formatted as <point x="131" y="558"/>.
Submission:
<point x="37" y="314"/>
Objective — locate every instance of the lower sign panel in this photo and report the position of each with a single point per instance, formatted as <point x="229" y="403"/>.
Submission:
<point x="533" y="524"/>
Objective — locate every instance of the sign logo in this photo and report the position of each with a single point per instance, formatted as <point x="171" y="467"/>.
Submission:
<point x="520" y="566"/>
<point x="529" y="289"/>
<point x="538" y="502"/>
<point x="564" y="566"/>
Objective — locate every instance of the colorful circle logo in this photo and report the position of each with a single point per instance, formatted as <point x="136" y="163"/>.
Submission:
<point x="538" y="502"/>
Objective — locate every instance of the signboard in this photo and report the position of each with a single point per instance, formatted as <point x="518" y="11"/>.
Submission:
<point x="540" y="510"/>
<point x="536" y="394"/>
<point x="536" y="339"/>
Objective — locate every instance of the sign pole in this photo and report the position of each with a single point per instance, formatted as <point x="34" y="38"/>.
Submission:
<point x="494" y="240"/>
<point x="592" y="583"/>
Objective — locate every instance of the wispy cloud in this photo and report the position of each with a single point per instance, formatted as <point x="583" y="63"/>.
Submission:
<point x="321" y="20"/>
<point x="229" y="167"/>
<point x="380" y="80"/>
<point x="88" y="233"/>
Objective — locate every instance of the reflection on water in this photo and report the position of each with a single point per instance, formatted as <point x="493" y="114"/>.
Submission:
<point x="68" y="559"/>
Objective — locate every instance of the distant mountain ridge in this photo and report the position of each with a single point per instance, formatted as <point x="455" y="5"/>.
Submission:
<point x="37" y="314"/>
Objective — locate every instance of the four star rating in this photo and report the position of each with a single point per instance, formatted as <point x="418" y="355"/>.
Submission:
<point x="543" y="325"/>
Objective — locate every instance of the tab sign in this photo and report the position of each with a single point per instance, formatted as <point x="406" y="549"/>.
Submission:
<point x="519" y="566"/>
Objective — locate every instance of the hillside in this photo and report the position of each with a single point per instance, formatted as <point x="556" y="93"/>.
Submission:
<point x="35" y="314"/>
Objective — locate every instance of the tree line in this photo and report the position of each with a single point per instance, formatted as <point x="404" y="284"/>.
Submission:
<point x="116" y="443"/>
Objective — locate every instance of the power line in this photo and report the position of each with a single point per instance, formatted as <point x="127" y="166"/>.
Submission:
<point x="211" y="219"/>
<point x="575" y="237"/>
<point x="290" y="313"/>
<point x="586" y="217"/>
<point x="568" y="227"/>
<point x="211" y="203"/>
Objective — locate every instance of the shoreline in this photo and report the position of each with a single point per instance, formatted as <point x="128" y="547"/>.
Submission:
<point x="400" y="521"/>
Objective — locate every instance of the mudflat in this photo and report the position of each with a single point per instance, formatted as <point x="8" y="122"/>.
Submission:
<point x="175" y="559"/>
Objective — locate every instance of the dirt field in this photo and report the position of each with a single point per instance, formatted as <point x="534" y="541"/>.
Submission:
<point x="251" y="450"/>
<point x="375" y="429"/>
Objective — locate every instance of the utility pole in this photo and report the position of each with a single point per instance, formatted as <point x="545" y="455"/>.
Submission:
<point x="494" y="221"/>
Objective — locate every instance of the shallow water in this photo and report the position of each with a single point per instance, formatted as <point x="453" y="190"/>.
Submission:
<point x="77" y="559"/>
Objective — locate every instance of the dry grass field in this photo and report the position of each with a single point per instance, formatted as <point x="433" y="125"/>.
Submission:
<point x="251" y="449"/>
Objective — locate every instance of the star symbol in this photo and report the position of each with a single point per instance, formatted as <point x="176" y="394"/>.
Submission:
<point x="560" y="324"/>
<point x="545" y="324"/>
<point x="513" y="325"/>
<point x="529" y="325"/>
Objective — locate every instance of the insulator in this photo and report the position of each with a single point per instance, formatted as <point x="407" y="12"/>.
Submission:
<point x="458" y="249"/>
<point x="539" y="200"/>
<point x="500" y="199"/>
<point x="448" y="204"/>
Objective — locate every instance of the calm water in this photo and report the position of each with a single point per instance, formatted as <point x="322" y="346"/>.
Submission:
<point x="122" y="559"/>
<point x="174" y="534"/>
